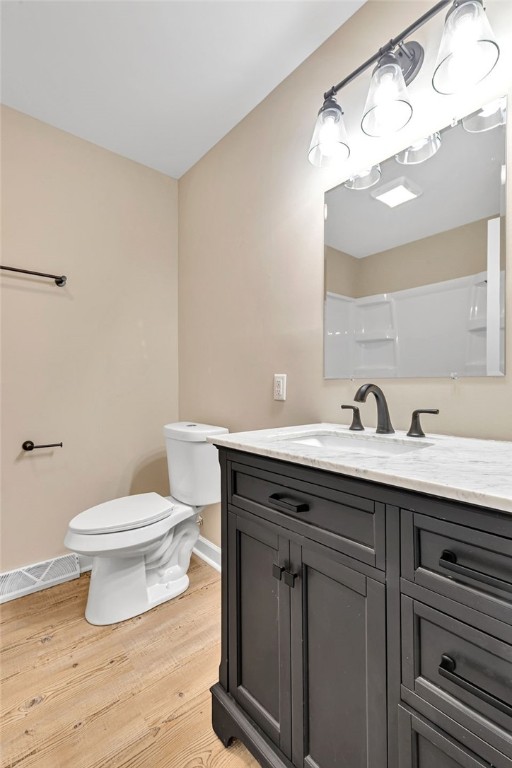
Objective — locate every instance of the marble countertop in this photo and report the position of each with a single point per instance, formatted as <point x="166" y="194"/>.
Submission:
<point x="464" y="469"/>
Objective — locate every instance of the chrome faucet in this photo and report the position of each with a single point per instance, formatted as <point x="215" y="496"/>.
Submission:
<point x="384" y="426"/>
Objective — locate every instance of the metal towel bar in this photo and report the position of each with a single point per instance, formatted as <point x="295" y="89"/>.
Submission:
<point x="60" y="280"/>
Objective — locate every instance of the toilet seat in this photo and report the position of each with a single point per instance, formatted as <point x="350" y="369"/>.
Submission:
<point x="124" y="514"/>
<point x="125" y="542"/>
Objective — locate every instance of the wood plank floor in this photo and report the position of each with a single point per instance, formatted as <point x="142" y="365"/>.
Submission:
<point x="132" y="695"/>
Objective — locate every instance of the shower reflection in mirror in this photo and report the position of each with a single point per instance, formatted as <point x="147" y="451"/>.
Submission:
<point x="415" y="258"/>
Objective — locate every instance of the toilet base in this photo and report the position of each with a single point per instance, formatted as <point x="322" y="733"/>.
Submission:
<point x="124" y="587"/>
<point x="117" y="594"/>
<point x="159" y="593"/>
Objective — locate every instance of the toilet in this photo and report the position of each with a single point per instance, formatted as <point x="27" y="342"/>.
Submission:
<point x="141" y="545"/>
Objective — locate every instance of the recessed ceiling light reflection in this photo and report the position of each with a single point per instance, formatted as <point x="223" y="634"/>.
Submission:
<point x="364" y="179"/>
<point x="396" y="192"/>
<point x="421" y="150"/>
<point x="491" y="116"/>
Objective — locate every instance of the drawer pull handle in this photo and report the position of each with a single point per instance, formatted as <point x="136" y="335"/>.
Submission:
<point x="448" y="560"/>
<point x="447" y="669"/>
<point x="282" y="501"/>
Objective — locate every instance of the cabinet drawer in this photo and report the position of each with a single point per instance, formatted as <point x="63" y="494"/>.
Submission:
<point x="465" y="564"/>
<point x="422" y="745"/>
<point x="351" y="524"/>
<point x="460" y="669"/>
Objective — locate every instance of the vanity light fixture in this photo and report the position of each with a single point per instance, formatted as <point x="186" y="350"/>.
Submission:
<point x="387" y="107"/>
<point x="468" y="52"/>
<point x="329" y="143"/>
<point x="491" y="116"/>
<point x="364" y="179"/>
<point x="421" y="150"/>
<point x="396" y="192"/>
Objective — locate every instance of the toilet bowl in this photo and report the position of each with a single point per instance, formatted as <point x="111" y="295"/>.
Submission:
<point x="141" y="545"/>
<point x="134" y="568"/>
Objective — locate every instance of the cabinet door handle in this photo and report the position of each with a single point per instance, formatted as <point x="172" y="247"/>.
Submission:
<point x="447" y="669"/>
<point x="448" y="560"/>
<point x="282" y="501"/>
<point x="289" y="578"/>
<point x="277" y="571"/>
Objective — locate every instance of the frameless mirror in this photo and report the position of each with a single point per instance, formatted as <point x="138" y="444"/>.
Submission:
<point x="415" y="259"/>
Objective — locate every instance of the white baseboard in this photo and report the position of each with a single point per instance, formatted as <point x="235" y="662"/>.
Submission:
<point x="209" y="552"/>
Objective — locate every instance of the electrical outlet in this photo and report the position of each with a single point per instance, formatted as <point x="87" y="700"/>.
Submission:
<point x="279" y="386"/>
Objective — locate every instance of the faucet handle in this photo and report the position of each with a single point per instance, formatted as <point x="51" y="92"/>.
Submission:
<point x="415" y="429"/>
<point x="356" y="425"/>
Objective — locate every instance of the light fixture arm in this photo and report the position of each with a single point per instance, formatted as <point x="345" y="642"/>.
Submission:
<point x="395" y="42"/>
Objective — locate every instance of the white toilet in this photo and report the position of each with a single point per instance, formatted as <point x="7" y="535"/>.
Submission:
<point x="141" y="545"/>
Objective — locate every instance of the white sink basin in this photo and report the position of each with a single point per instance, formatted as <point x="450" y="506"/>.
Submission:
<point x="358" y="444"/>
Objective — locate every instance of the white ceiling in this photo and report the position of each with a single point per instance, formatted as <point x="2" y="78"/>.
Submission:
<point x="461" y="183"/>
<point x="157" y="82"/>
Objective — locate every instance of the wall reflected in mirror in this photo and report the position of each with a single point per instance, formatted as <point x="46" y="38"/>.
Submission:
<point x="415" y="259"/>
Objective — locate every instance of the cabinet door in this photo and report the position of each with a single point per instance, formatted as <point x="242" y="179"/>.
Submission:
<point x="338" y="664"/>
<point x="422" y="745"/>
<point x="259" y="626"/>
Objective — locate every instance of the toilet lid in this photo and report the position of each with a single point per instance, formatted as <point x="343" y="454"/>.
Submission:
<point x="122" y="514"/>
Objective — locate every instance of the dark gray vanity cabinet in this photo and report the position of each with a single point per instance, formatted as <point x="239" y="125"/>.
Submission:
<point x="259" y="631"/>
<point x="456" y="633"/>
<point x="306" y="638"/>
<point x="425" y="746"/>
<point x="339" y="664"/>
<point x="351" y="613"/>
<point x="303" y="672"/>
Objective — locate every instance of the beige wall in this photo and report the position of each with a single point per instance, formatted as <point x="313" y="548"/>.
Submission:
<point x="445" y="256"/>
<point x="456" y="253"/>
<point x="341" y="272"/>
<point x="252" y="259"/>
<point x="93" y="364"/>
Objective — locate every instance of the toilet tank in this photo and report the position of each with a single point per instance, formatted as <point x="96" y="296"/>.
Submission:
<point x="194" y="470"/>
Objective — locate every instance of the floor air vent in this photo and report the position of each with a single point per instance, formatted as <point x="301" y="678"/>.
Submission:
<point x="39" y="576"/>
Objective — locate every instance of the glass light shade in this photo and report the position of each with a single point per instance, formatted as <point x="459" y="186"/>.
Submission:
<point x="364" y="179"/>
<point x="490" y="116"/>
<point x="468" y="50"/>
<point x="421" y="150"/>
<point x="387" y="107"/>
<point x="329" y="144"/>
